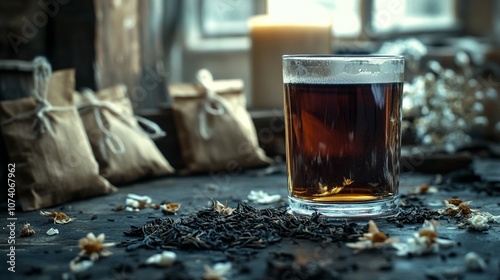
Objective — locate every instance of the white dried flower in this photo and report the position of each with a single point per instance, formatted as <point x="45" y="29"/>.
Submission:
<point x="132" y="203"/>
<point x="481" y="220"/>
<point x="57" y="217"/>
<point x="165" y="258"/>
<point x="131" y="209"/>
<point x="478" y="222"/>
<point x="374" y="239"/>
<point x="262" y="197"/>
<point x="223" y="209"/>
<point x="170" y="208"/>
<point x="472" y="219"/>
<point x="425" y="241"/>
<point x="457" y="208"/>
<point x="79" y="265"/>
<point x="218" y="272"/>
<point x="52" y="231"/>
<point x="474" y="262"/>
<point x="93" y="246"/>
<point x="135" y="201"/>
<point x="141" y="198"/>
<point x="491" y="218"/>
<point x="424" y="189"/>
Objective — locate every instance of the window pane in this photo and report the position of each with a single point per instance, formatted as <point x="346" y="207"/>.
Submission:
<point x="225" y="17"/>
<point x="407" y="15"/>
<point x="345" y="15"/>
<point x="229" y="17"/>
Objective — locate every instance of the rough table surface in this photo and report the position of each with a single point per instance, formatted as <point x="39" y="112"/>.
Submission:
<point x="47" y="257"/>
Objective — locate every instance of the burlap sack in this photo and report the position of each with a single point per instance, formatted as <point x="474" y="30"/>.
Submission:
<point x="215" y="130"/>
<point x="125" y="152"/>
<point x="16" y="81"/>
<point x="47" y="143"/>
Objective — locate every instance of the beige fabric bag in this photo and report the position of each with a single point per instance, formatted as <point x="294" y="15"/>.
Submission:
<point x="215" y="130"/>
<point x="124" y="151"/>
<point x="47" y="144"/>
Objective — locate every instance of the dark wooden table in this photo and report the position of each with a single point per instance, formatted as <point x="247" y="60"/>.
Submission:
<point x="47" y="257"/>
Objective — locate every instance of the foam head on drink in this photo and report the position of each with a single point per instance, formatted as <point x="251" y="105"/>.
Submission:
<point x="343" y="123"/>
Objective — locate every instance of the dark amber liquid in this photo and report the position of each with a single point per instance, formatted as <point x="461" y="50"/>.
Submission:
<point x="343" y="141"/>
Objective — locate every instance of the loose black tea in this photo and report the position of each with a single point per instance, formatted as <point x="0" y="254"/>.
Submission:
<point x="246" y="228"/>
<point x="412" y="211"/>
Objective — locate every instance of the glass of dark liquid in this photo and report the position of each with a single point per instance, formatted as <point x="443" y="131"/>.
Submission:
<point x="343" y="134"/>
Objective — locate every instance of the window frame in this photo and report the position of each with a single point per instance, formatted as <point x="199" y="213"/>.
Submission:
<point x="195" y="40"/>
<point x="369" y="32"/>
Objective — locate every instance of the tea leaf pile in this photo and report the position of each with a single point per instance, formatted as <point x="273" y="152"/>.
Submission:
<point x="246" y="227"/>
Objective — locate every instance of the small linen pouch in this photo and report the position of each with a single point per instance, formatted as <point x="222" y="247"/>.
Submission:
<point x="215" y="130"/>
<point x="125" y="152"/>
<point x="47" y="144"/>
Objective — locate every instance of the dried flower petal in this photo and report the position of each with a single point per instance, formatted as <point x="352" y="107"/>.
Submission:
<point x="491" y="218"/>
<point x="454" y="201"/>
<point x="27" y="230"/>
<point x="424" y="189"/>
<point x="425" y="241"/>
<point x="218" y="272"/>
<point x="52" y="231"/>
<point x="481" y="220"/>
<point x="478" y="222"/>
<point x="120" y="207"/>
<point x="471" y="218"/>
<point x="474" y="262"/>
<point x="141" y="198"/>
<point x="57" y="217"/>
<point x="154" y="206"/>
<point x="170" y="208"/>
<point x="374" y="239"/>
<point x="165" y="258"/>
<point x="262" y="197"/>
<point x="132" y="203"/>
<point x="379" y="237"/>
<point x="347" y="181"/>
<point x="131" y="209"/>
<point x="79" y="264"/>
<point x="223" y="209"/>
<point x="93" y="246"/>
<point x="457" y="208"/>
<point x="136" y="202"/>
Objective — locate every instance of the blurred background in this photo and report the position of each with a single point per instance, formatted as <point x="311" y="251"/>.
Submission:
<point x="451" y="46"/>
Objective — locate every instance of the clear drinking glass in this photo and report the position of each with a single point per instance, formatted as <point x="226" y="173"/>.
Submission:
<point x="343" y="133"/>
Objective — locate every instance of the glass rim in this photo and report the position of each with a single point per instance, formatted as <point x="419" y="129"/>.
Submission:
<point x="342" y="69"/>
<point x="347" y="57"/>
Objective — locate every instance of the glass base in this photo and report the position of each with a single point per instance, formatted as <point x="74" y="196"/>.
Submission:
<point x="362" y="210"/>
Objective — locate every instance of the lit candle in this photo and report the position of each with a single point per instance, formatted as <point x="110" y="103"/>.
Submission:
<point x="273" y="37"/>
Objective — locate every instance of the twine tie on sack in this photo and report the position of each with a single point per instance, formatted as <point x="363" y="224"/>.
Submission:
<point x="111" y="140"/>
<point x="213" y="104"/>
<point x="156" y="131"/>
<point x="41" y="75"/>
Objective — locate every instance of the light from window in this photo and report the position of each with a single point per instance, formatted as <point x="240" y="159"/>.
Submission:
<point x="229" y="17"/>
<point x="406" y="15"/>
<point x="226" y="17"/>
<point x="345" y="15"/>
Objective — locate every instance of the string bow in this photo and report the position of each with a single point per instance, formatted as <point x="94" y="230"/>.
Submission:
<point x="110" y="140"/>
<point x="42" y="72"/>
<point x="213" y="104"/>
